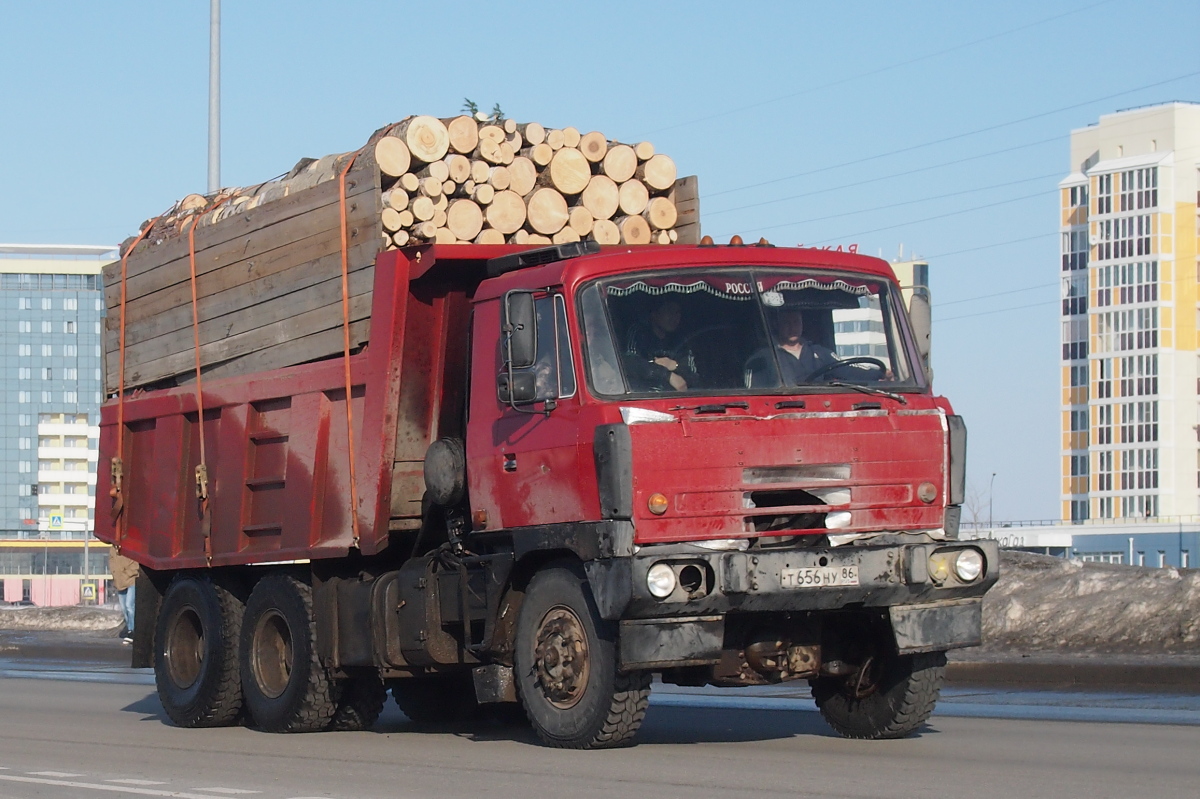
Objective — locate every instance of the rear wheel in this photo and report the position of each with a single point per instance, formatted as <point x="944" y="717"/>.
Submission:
<point x="891" y="696"/>
<point x="286" y="686"/>
<point x="195" y="654"/>
<point x="566" y="667"/>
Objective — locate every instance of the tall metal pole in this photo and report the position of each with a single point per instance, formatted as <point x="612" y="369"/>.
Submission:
<point x="214" y="96"/>
<point x="991" y="526"/>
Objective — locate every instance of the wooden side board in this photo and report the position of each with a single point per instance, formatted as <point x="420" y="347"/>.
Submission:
<point x="268" y="289"/>
<point x="686" y="196"/>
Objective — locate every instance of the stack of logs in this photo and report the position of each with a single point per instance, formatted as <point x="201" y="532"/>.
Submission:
<point x="465" y="181"/>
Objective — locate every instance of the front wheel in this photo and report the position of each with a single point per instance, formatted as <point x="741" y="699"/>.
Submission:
<point x="891" y="696"/>
<point x="566" y="667"/>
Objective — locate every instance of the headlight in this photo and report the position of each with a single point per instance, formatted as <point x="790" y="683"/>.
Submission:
<point x="660" y="580"/>
<point x="658" y="504"/>
<point x="968" y="565"/>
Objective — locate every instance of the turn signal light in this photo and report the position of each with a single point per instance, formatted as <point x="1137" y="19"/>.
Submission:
<point x="927" y="492"/>
<point x="657" y="504"/>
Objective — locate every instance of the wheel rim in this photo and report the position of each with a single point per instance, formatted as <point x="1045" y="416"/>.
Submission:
<point x="184" y="648"/>
<point x="271" y="655"/>
<point x="561" y="660"/>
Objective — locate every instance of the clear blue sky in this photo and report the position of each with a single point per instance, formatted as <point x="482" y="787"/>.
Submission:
<point x="940" y="127"/>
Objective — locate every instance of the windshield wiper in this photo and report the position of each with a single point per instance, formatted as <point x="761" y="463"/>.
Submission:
<point x="879" y="392"/>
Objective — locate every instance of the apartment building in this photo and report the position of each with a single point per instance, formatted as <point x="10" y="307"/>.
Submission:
<point x="1129" y="269"/>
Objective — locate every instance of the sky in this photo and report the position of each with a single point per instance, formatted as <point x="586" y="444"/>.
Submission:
<point x="939" y="129"/>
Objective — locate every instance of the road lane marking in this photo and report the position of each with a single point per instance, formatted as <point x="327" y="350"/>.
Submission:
<point x="230" y="791"/>
<point x="95" y="786"/>
<point x="137" y="782"/>
<point x="58" y="774"/>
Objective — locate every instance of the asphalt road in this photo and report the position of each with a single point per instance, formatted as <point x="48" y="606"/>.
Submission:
<point x="103" y="734"/>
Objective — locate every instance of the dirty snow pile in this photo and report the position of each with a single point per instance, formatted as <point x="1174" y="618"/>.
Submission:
<point x="64" y="618"/>
<point x="1043" y="603"/>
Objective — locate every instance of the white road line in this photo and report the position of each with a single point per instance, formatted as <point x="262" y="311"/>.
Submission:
<point x="230" y="791"/>
<point x="58" y="774"/>
<point x="136" y="782"/>
<point x="93" y="786"/>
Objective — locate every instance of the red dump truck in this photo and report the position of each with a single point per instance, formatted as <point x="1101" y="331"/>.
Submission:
<point x="559" y="472"/>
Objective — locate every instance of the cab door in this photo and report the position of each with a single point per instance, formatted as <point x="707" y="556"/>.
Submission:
<point x="523" y="460"/>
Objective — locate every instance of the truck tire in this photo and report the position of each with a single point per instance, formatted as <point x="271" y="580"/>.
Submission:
<point x="566" y="666"/>
<point x="437" y="699"/>
<point x="195" y="653"/>
<point x="895" y="699"/>
<point x="360" y="702"/>
<point x="286" y="686"/>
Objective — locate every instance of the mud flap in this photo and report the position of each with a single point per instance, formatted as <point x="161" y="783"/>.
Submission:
<point x="937" y="626"/>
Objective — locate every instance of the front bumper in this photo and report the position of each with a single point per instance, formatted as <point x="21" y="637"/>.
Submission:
<point x="926" y="613"/>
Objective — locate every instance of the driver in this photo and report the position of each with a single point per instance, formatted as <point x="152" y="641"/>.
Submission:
<point x="657" y="358"/>
<point x="798" y="357"/>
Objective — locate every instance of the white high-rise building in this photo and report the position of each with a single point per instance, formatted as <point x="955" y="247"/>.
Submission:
<point x="1130" y="317"/>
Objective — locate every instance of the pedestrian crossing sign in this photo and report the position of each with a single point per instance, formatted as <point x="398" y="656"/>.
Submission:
<point x="56" y="521"/>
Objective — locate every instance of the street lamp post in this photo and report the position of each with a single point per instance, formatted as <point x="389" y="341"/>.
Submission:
<point x="991" y="483"/>
<point x="214" y="96"/>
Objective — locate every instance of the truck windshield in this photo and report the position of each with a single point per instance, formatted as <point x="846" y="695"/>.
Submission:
<point x="743" y="331"/>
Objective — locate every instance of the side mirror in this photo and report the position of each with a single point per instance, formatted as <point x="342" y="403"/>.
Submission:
<point x="520" y="329"/>
<point x="517" y="388"/>
<point x="920" y="315"/>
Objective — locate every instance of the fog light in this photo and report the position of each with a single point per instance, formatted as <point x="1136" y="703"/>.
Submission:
<point x="927" y="492"/>
<point x="657" y="504"/>
<point x="660" y="580"/>
<point x="968" y="565"/>
<point x="939" y="567"/>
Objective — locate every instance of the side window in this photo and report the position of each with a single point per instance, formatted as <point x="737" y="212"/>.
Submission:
<point x="554" y="368"/>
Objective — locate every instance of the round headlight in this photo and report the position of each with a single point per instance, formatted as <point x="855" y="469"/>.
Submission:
<point x="657" y="504"/>
<point x="968" y="565"/>
<point x="660" y="580"/>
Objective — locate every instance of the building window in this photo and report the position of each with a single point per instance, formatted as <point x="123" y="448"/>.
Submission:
<point x="47" y="326"/>
<point x="71" y="374"/>
<point x="24" y="372"/>
<point x="23" y="443"/>
<point x="70" y="396"/>
<point x="1103" y="557"/>
<point x="1141" y="558"/>
<point x="1162" y="559"/>
<point x="24" y="396"/>
<point x="1079" y="465"/>
<point x="24" y="467"/>
<point x="1106" y="506"/>
<point x="24" y="326"/>
<point x="1075" y="250"/>
<point x="97" y="328"/>
<point x="1074" y="292"/>
<point x="47" y="373"/>
<point x="70" y="304"/>
<point x="68" y="327"/>
<point x="1079" y="510"/>
<point x="99" y="307"/>
<point x="1185" y="559"/>
<point x="24" y="304"/>
<point x="47" y="351"/>
<point x="1079" y="421"/>
<point x="1104" y="379"/>
<point x="1079" y="196"/>
<point x="24" y="350"/>
<point x="45" y="303"/>
<point x="69" y="351"/>
<point x="1104" y="463"/>
<point x="1104" y="189"/>
<point x="46" y="397"/>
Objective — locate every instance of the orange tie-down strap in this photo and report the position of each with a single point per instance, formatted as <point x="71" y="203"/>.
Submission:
<point x="114" y="491"/>
<point x="345" y="236"/>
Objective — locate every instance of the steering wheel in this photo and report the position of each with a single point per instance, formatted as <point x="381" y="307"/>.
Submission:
<point x="824" y="370"/>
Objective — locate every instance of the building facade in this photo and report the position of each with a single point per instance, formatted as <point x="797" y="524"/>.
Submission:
<point x="1129" y="266"/>
<point x="51" y="317"/>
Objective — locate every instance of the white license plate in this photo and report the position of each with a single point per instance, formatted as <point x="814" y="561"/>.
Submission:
<point x="819" y="576"/>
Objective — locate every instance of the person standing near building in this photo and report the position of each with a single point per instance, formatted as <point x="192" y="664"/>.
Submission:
<point x="124" y="572"/>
